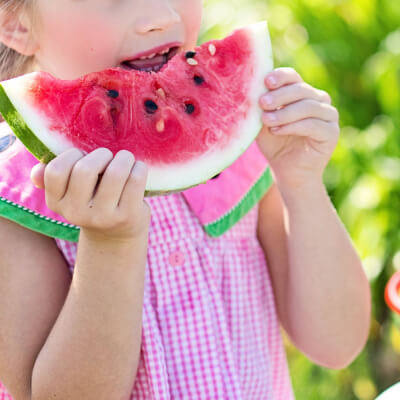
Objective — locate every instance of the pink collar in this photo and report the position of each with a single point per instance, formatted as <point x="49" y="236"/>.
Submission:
<point x="219" y="203"/>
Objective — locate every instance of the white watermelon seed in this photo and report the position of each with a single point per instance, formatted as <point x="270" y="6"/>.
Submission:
<point x="191" y="61"/>
<point x="212" y="49"/>
<point x="161" y="93"/>
<point x="160" y="126"/>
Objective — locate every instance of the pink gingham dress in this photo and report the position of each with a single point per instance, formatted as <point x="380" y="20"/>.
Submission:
<point x="210" y="328"/>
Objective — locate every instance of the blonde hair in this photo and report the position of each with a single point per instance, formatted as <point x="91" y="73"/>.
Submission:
<point x="13" y="63"/>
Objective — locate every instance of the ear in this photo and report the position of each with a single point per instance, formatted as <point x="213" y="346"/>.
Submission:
<point x="15" y="32"/>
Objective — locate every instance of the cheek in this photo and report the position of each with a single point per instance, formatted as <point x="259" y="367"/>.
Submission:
<point x="85" y="47"/>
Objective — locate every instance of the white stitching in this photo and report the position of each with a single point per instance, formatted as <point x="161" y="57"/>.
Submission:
<point x="37" y="214"/>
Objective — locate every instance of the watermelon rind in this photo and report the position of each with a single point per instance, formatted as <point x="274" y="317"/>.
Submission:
<point x="162" y="179"/>
<point x="16" y="90"/>
<point x="22" y="130"/>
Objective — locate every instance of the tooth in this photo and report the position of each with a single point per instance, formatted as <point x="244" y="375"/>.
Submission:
<point x="146" y="57"/>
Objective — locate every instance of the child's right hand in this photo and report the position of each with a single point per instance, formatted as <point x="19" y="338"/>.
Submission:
<point x="111" y="208"/>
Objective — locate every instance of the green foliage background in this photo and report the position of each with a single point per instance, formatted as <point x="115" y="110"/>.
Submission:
<point x="352" y="50"/>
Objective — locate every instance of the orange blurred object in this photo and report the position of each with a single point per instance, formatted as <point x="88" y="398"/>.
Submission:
<point x="392" y="292"/>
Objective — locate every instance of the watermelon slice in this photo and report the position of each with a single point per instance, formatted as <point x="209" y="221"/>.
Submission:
<point x="188" y="121"/>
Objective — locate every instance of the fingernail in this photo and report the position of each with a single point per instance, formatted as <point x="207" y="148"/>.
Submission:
<point x="271" y="117"/>
<point x="272" y="81"/>
<point x="267" y="100"/>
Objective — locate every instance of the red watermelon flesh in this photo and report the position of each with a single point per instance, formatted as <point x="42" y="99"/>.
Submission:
<point x="193" y="112"/>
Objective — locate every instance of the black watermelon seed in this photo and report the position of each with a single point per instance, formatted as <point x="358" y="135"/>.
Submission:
<point x="190" y="54"/>
<point x="151" y="107"/>
<point x="113" y="94"/>
<point x="190" y="108"/>
<point x="198" y="80"/>
<point x="216" y="176"/>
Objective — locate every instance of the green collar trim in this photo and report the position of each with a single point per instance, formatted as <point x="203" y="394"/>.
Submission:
<point x="250" y="199"/>
<point x="37" y="222"/>
<point x="61" y="230"/>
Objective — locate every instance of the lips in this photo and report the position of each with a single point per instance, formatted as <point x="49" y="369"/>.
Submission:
<point x="152" y="62"/>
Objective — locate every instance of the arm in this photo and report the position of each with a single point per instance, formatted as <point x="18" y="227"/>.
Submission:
<point x="321" y="291"/>
<point x="103" y="310"/>
<point x="70" y="341"/>
<point x="84" y="344"/>
<point x="62" y="340"/>
<point x="93" y="350"/>
<point x="34" y="282"/>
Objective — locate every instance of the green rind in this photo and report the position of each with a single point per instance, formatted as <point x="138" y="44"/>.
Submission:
<point x="253" y="196"/>
<point x="37" y="222"/>
<point x="22" y="130"/>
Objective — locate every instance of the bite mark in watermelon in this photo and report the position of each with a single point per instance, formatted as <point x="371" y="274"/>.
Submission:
<point x="188" y="122"/>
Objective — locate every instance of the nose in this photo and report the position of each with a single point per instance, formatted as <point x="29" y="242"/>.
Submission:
<point x="158" y="15"/>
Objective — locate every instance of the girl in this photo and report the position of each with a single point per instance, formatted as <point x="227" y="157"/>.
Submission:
<point x="158" y="308"/>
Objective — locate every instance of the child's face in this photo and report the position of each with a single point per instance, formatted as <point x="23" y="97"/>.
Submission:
<point x="75" y="37"/>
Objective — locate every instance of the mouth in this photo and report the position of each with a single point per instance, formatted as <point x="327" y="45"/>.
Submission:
<point x="151" y="62"/>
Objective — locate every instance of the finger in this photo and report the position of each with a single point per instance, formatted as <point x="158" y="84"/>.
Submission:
<point x="311" y="127"/>
<point x="301" y="110"/>
<point x="291" y="94"/>
<point x="57" y="174"/>
<point x="85" y="174"/>
<point x="133" y="192"/>
<point x="114" y="180"/>
<point x="281" y="77"/>
<point x="37" y="175"/>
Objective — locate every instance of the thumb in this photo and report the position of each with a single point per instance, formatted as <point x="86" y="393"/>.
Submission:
<point x="37" y="175"/>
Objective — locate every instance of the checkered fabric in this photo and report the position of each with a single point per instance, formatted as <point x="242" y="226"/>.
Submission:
<point x="210" y="329"/>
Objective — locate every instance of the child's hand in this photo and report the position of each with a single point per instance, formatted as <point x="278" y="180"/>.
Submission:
<point x="111" y="209"/>
<point x="300" y="129"/>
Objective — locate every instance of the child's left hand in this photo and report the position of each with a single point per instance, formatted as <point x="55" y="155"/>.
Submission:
<point x="300" y="129"/>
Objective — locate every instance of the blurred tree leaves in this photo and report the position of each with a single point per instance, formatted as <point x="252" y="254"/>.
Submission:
<point x="350" y="48"/>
